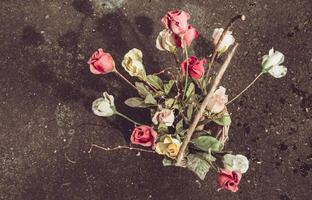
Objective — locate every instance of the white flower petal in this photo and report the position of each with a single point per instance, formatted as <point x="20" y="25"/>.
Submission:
<point x="278" y="71"/>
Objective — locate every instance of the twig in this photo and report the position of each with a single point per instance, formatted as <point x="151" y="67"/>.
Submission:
<point x="203" y="106"/>
<point x="215" y="52"/>
<point x="118" y="147"/>
<point x="68" y="159"/>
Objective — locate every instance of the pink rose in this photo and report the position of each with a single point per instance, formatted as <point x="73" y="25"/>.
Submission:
<point x="229" y="180"/>
<point x="187" y="37"/>
<point x="144" y="135"/>
<point x="101" y="62"/>
<point x="176" y="21"/>
<point x="195" y="68"/>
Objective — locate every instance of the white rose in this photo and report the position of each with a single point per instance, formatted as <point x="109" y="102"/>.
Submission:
<point x="165" y="116"/>
<point x="227" y="41"/>
<point x="218" y="101"/>
<point x="271" y="64"/>
<point x="104" y="107"/>
<point x="238" y="163"/>
<point x="165" y="41"/>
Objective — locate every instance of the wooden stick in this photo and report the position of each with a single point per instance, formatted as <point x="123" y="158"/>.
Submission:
<point x="203" y="106"/>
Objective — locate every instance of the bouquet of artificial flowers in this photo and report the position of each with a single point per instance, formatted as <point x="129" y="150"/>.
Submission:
<point x="190" y="122"/>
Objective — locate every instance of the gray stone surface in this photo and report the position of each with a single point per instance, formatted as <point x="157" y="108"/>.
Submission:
<point x="46" y="124"/>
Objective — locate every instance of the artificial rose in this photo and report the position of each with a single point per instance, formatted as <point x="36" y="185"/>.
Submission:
<point x="228" y="180"/>
<point x="144" y="135"/>
<point x="133" y="63"/>
<point x="168" y="146"/>
<point x="165" y="116"/>
<point x="166" y="41"/>
<point x="101" y="62"/>
<point x="218" y="101"/>
<point x="271" y="64"/>
<point x="237" y="163"/>
<point x="104" y="107"/>
<point x="195" y="67"/>
<point x="227" y="41"/>
<point x="187" y="37"/>
<point x="176" y="21"/>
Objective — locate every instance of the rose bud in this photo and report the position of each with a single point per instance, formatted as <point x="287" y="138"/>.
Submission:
<point x="104" y="107"/>
<point x="219" y="99"/>
<point x="166" y="41"/>
<point x="144" y="135"/>
<point x="226" y="42"/>
<point x="228" y="180"/>
<point x="187" y="37"/>
<point x="101" y="62"/>
<point x="195" y="67"/>
<point x="165" y="116"/>
<point x="168" y="146"/>
<point x="271" y="64"/>
<point x="176" y="21"/>
<point x="133" y="63"/>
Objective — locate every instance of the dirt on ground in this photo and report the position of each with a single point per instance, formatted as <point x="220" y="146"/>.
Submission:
<point x="47" y="125"/>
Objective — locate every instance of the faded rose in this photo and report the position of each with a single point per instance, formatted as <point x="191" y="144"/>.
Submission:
<point x="176" y="21"/>
<point x="101" y="62"/>
<point x="195" y="67"/>
<point x="219" y="99"/>
<point x="166" y="41"/>
<point x="143" y="135"/>
<point x="168" y="146"/>
<point x="228" y="180"/>
<point x="227" y="41"/>
<point x="187" y="37"/>
<point x="165" y="116"/>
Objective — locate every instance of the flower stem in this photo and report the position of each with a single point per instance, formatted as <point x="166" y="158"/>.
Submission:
<point x="186" y="71"/>
<point x="127" y="118"/>
<point x="244" y="90"/>
<point x="203" y="106"/>
<point x="118" y="147"/>
<point x="125" y="79"/>
<point x="215" y="52"/>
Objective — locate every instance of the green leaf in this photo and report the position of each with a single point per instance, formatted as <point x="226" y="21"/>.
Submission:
<point x="169" y="102"/>
<point x="149" y="99"/>
<point x="155" y="81"/>
<point x="166" y="162"/>
<point x="136" y="102"/>
<point x="189" y="112"/>
<point x="142" y="89"/>
<point x="207" y="143"/>
<point x="190" y="91"/>
<point x="162" y="128"/>
<point x="168" y="86"/>
<point x="207" y="156"/>
<point x="179" y="127"/>
<point x="224" y="120"/>
<point x="197" y="165"/>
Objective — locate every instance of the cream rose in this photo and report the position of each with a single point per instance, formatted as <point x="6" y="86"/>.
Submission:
<point x="165" y="41"/>
<point x="165" y="116"/>
<point x="218" y="101"/>
<point x="226" y="42"/>
<point x="133" y="63"/>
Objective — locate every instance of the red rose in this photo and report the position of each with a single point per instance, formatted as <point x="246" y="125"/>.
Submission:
<point x="101" y="62"/>
<point x="143" y="135"/>
<point x="195" y="67"/>
<point x="187" y="37"/>
<point x="176" y="21"/>
<point x="229" y="180"/>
